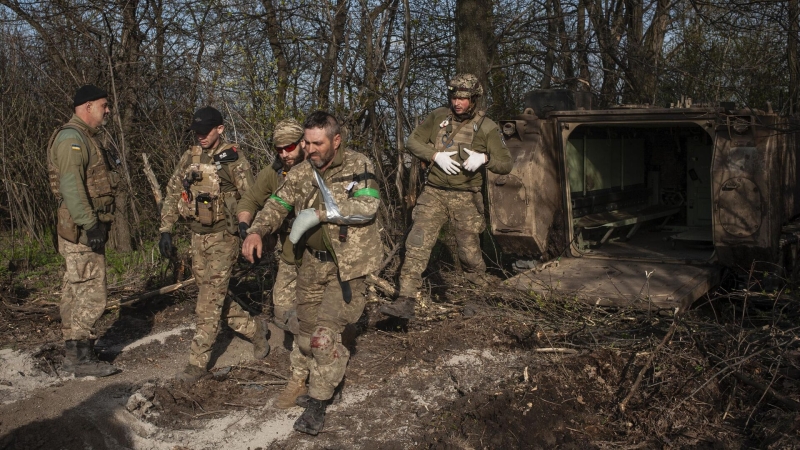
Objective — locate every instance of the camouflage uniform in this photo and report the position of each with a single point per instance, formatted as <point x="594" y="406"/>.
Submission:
<point x="457" y="198"/>
<point x="84" y="184"/>
<point x="283" y="290"/>
<point x="330" y="281"/>
<point x="215" y="245"/>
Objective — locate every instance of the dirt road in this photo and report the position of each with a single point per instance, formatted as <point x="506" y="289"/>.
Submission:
<point x="399" y="392"/>
<point x="474" y="377"/>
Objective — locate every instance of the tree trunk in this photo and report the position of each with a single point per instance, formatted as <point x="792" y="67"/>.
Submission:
<point x="584" y="75"/>
<point x="654" y="47"/>
<point x="608" y="25"/>
<point x="124" y="73"/>
<point x="474" y="38"/>
<point x="791" y="49"/>
<point x="332" y="51"/>
<point x="550" y="44"/>
<point x="567" y="65"/>
<point x="635" y="57"/>
<point x="408" y="195"/>
<point x="274" y="33"/>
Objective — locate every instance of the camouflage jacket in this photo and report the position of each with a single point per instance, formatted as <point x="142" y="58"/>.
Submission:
<point x="267" y="183"/>
<point x="235" y="179"/>
<point x="360" y="254"/>
<point x="429" y="137"/>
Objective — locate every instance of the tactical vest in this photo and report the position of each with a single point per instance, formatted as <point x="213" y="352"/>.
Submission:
<point x="203" y="199"/>
<point x="101" y="181"/>
<point x="465" y="133"/>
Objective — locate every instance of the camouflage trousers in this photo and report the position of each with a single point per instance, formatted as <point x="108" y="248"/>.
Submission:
<point x="325" y="305"/>
<point x="83" y="294"/>
<point x="213" y="255"/>
<point x="434" y="208"/>
<point x="284" y="291"/>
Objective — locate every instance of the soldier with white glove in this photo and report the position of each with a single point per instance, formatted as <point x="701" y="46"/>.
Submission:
<point x="460" y="141"/>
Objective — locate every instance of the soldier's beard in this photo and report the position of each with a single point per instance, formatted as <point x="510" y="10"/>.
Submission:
<point x="288" y="163"/>
<point x="320" y="163"/>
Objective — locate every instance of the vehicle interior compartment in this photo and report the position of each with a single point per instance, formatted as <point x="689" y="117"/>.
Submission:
<point x="641" y="191"/>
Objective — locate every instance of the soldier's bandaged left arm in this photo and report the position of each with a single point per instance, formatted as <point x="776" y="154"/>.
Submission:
<point x="361" y="204"/>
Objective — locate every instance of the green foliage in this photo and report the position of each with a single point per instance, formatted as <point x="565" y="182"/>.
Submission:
<point x="23" y="253"/>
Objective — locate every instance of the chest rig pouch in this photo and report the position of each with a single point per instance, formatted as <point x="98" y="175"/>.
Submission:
<point x="459" y="136"/>
<point x="202" y="198"/>
<point x="450" y="139"/>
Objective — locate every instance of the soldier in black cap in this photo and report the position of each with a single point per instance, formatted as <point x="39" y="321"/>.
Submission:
<point x="84" y="184"/>
<point x="204" y="190"/>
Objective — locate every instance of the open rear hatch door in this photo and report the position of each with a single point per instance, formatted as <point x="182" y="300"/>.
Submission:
<point x="620" y="283"/>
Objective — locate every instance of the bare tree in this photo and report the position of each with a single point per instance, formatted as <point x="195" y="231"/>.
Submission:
<point x="338" y="20"/>
<point x="474" y="34"/>
<point x="792" y="60"/>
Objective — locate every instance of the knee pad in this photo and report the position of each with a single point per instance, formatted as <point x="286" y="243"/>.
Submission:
<point x="416" y="238"/>
<point x="326" y="345"/>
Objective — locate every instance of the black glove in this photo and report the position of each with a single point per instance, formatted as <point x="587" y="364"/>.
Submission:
<point x="243" y="230"/>
<point x="165" y="245"/>
<point x="96" y="236"/>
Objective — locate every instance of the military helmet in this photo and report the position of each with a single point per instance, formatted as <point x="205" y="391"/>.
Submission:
<point x="464" y="85"/>
<point x="287" y="132"/>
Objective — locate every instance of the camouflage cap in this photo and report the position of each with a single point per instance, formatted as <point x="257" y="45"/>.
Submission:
<point x="287" y="131"/>
<point x="464" y="85"/>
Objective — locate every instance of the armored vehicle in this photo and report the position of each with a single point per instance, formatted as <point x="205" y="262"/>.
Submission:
<point x="644" y="204"/>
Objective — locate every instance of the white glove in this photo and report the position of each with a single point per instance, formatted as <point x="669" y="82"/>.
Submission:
<point x="475" y="160"/>
<point x="443" y="160"/>
<point x="305" y="220"/>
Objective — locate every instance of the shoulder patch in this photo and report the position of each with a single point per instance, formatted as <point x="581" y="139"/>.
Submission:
<point x="227" y="156"/>
<point x="76" y="147"/>
<point x="502" y="138"/>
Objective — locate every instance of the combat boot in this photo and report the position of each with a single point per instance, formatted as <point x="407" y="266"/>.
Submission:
<point x="402" y="308"/>
<point x="288" y="323"/>
<point x="481" y="279"/>
<point x="70" y="357"/>
<point x="313" y="418"/>
<point x="191" y="374"/>
<point x="260" y="342"/>
<point x="302" y="401"/>
<point x="294" y="389"/>
<point x="81" y="361"/>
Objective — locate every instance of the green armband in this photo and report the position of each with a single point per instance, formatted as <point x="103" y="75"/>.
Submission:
<point x="369" y="192"/>
<point x="282" y="202"/>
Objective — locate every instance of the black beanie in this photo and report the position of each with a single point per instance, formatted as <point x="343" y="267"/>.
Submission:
<point x="88" y="93"/>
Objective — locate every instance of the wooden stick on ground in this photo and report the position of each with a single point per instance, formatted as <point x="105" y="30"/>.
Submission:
<point x="164" y="290"/>
<point x="650" y="359"/>
<point x="784" y="401"/>
<point x="381" y="284"/>
<point x="569" y="351"/>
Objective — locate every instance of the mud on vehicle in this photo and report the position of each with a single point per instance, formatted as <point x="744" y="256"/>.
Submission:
<point x="640" y="203"/>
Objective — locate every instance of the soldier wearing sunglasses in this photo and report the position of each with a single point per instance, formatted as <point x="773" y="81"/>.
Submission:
<point x="286" y="139"/>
